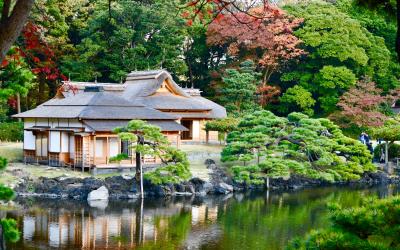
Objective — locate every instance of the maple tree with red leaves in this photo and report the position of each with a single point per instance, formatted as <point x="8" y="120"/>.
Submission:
<point x="264" y="35"/>
<point x="361" y="105"/>
<point x="41" y="58"/>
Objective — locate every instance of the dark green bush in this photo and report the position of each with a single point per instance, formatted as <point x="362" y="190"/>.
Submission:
<point x="374" y="225"/>
<point x="11" y="131"/>
<point x="394" y="151"/>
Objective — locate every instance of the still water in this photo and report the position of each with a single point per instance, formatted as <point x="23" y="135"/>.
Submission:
<point x="265" y="220"/>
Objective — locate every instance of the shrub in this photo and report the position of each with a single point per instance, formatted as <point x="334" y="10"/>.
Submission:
<point x="11" y="131"/>
<point x="281" y="146"/>
<point x="373" y="225"/>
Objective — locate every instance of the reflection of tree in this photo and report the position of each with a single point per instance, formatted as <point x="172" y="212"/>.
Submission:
<point x="263" y="221"/>
<point x="172" y="231"/>
<point x="260" y="222"/>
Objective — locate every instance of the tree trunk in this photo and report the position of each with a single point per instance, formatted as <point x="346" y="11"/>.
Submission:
<point x="190" y="73"/>
<point x="139" y="174"/>
<point x="398" y="29"/>
<point x="11" y="24"/>
<point x="40" y="96"/>
<point x="387" y="156"/>
<point x="138" y="164"/>
<point x="2" y="239"/>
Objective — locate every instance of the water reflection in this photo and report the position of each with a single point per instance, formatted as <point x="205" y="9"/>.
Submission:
<point x="241" y="221"/>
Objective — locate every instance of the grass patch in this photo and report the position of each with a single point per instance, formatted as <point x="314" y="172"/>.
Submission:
<point x="15" y="171"/>
<point x="12" y="151"/>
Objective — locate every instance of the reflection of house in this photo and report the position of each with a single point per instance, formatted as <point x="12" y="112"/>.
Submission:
<point x="76" y="126"/>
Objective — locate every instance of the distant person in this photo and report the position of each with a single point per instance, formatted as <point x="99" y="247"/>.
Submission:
<point x="382" y="159"/>
<point x="366" y="138"/>
<point x="370" y="148"/>
<point x="362" y="138"/>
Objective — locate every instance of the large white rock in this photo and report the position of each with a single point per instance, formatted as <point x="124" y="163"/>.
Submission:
<point x="99" y="194"/>
<point x="99" y="204"/>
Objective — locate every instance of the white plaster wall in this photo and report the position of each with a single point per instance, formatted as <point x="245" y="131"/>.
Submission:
<point x="196" y="129"/>
<point x="113" y="146"/>
<point x="75" y="123"/>
<point x="29" y="122"/>
<point x="55" y="141"/>
<point x="42" y="122"/>
<point x="64" y="142"/>
<point x="29" y="140"/>
<point x="72" y="147"/>
<point x="53" y="122"/>
<point x="62" y="122"/>
<point x="99" y="147"/>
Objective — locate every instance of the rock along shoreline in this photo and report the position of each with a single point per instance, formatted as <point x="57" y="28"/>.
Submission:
<point x="125" y="186"/>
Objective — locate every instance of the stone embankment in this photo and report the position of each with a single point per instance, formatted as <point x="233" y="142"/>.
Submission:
<point x="126" y="187"/>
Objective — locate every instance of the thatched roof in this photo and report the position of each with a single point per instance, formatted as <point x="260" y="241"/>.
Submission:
<point x="95" y="105"/>
<point x="109" y="125"/>
<point x="137" y="98"/>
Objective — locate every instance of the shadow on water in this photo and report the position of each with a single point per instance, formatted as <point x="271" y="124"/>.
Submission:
<point x="266" y="220"/>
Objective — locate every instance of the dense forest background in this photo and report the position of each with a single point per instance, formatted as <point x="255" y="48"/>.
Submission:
<point x="333" y="58"/>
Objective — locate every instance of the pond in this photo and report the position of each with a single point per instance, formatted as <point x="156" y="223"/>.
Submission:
<point x="266" y="220"/>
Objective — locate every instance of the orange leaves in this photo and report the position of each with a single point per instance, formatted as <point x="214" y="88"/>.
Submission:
<point x="243" y="32"/>
<point x="66" y="87"/>
<point x="267" y="94"/>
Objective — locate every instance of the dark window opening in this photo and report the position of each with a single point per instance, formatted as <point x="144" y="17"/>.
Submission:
<point x="187" y="135"/>
<point x="125" y="148"/>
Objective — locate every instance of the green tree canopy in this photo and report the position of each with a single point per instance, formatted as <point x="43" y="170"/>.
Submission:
<point x="130" y="36"/>
<point x="175" y="167"/>
<point x="373" y="225"/>
<point x="340" y="50"/>
<point x="239" y="88"/>
<point x="298" y="98"/>
<point x="277" y="146"/>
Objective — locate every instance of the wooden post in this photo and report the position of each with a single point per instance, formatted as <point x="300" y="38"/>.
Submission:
<point x="94" y="150"/>
<point x="139" y="169"/>
<point x="207" y="136"/>
<point x="387" y="156"/>
<point x="107" y="151"/>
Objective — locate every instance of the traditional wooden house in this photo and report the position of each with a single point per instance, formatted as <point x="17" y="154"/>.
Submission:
<point x="75" y="127"/>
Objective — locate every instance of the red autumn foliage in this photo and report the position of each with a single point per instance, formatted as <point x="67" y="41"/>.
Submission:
<point x="360" y="105"/>
<point x="39" y="54"/>
<point x="12" y="102"/>
<point x="264" y="34"/>
<point x="245" y="35"/>
<point x="267" y="94"/>
<point x="66" y="87"/>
